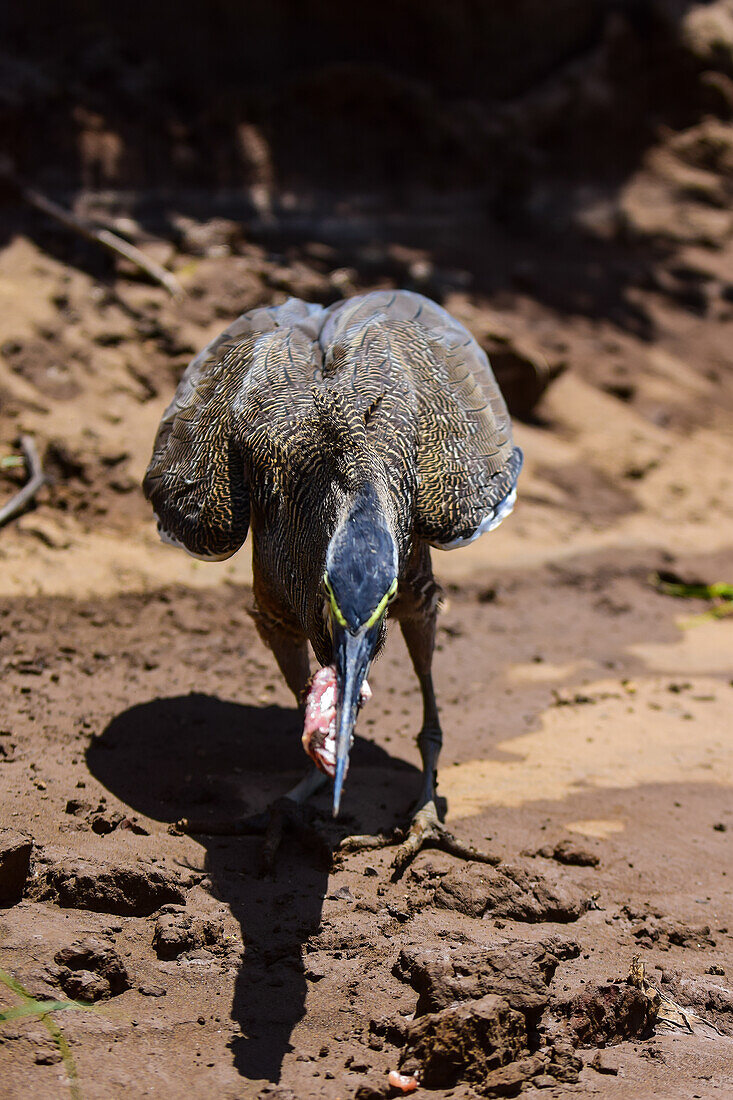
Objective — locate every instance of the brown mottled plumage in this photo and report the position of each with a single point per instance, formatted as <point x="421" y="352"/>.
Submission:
<point x="295" y="412"/>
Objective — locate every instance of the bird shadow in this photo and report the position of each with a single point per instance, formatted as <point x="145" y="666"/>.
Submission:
<point x="199" y="756"/>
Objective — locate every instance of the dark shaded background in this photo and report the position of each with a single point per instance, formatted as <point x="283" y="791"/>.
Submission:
<point x="408" y="99"/>
<point x="569" y="151"/>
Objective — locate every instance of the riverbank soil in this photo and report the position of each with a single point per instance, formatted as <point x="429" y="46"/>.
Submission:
<point x="586" y="704"/>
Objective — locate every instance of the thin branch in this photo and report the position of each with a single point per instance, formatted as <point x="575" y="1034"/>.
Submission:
<point x="36" y="479"/>
<point x="105" y="237"/>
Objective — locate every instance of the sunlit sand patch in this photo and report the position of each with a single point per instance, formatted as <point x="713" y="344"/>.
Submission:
<point x="545" y="672"/>
<point x="596" y="827"/>
<point x="103" y="564"/>
<point x="619" y="742"/>
<point x="707" y="648"/>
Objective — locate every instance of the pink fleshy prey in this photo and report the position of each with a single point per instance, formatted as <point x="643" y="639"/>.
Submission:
<point x="403" y="1082"/>
<point x="319" y="728"/>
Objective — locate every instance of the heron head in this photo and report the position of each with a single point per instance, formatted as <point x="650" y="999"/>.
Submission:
<point x="360" y="580"/>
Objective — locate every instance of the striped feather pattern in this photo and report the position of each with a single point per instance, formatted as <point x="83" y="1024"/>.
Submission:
<point x="280" y="420"/>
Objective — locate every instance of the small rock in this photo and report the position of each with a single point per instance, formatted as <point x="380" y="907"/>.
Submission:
<point x="564" y="1064"/>
<point x="391" y="1029"/>
<point x="47" y="1057"/>
<point x="356" y="1065"/>
<point x="373" y="1092"/>
<point x="78" y="807"/>
<point x="572" y="854"/>
<point x="603" y="1062"/>
<point x="106" y="822"/>
<point x="134" y="826"/>
<point x="342" y="894"/>
<point x="315" y="970"/>
<point x="150" y="989"/>
<point x="91" y="970"/>
<point x="666" y="931"/>
<point x="709" y="998"/>
<point x="177" y="931"/>
<point x="15" y="859"/>
<point x="7" y="752"/>
<point x="83" y="985"/>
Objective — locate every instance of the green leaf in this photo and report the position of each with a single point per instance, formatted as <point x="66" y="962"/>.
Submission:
<point x="717" y="612"/>
<point x="720" y="590"/>
<point x="40" y="1008"/>
<point x="11" y="983"/>
<point x="43" y="1009"/>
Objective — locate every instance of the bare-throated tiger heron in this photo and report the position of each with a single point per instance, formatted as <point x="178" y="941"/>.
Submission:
<point x="351" y="439"/>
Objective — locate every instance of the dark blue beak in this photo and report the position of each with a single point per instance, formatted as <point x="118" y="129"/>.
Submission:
<point x="353" y="655"/>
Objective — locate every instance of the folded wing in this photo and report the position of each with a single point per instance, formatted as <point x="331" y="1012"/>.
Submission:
<point x="467" y="462"/>
<point x="197" y="477"/>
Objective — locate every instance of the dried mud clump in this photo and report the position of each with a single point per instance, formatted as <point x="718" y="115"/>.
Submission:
<point x="177" y="931"/>
<point x="522" y="370"/>
<point x="518" y="971"/>
<point x="7" y="748"/>
<point x="102" y="820"/>
<point x="477" y="1016"/>
<point x="91" y="970"/>
<point x="512" y="892"/>
<point x="663" y="932"/>
<point x="374" y="1092"/>
<point x="15" y="858"/>
<point x="126" y="890"/>
<point x="570" y="853"/>
<point x="604" y="1014"/>
<point x="473" y="1042"/>
<point x="483" y="1043"/>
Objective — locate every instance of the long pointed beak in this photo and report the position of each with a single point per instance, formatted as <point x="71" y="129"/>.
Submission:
<point x="353" y="655"/>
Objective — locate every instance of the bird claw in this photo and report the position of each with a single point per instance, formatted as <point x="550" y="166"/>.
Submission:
<point x="287" y="816"/>
<point x="284" y="815"/>
<point x="426" y="830"/>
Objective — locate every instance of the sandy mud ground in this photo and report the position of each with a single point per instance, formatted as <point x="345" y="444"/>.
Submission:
<point x="587" y="719"/>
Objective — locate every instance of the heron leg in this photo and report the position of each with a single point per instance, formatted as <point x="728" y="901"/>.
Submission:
<point x="417" y="611"/>
<point x="288" y="644"/>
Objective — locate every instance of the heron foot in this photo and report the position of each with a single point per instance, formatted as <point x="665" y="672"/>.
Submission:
<point x="426" y="830"/>
<point x="284" y="816"/>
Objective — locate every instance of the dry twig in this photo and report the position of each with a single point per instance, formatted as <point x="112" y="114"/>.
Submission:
<point x="36" y="478"/>
<point x="106" y="238"/>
